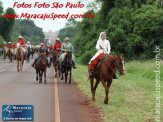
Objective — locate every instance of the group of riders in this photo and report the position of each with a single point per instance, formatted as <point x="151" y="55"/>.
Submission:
<point x="103" y="46"/>
<point x="12" y="48"/>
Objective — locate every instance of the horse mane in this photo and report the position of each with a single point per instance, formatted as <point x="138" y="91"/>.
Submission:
<point x="18" y="45"/>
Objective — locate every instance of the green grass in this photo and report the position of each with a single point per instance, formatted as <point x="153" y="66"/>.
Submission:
<point x="1" y="56"/>
<point x="131" y="97"/>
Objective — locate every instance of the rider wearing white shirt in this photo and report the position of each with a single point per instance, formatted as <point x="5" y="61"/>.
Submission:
<point x="103" y="45"/>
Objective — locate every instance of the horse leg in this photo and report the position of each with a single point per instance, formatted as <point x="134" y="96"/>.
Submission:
<point x="55" y="72"/>
<point x="96" y="84"/>
<point x="59" y="72"/>
<point x="106" y="91"/>
<point x="108" y="85"/>
<point x="40" y="77"/>
<point x="45" y="75"/>
<point x="36" y="75"/>
<point x="66" y="76"/>
<point x="92" y="88"/>
<point x="18" y="65"/>
<point x="70" y="77"/>
<point x="62" y="75"/>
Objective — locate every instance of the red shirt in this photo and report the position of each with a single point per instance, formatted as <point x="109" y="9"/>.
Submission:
<point x="4" y="45"/>
<point x="56" y="46"/>
<point x="22" y="43"/>
<point x="50" y="47"/>
<point x="10" y="46"/>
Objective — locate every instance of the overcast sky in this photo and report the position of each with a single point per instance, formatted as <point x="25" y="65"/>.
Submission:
<point x="47" y="24"/>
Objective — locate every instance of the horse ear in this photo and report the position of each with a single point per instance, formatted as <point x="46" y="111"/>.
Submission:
<point x="123" y="55"/>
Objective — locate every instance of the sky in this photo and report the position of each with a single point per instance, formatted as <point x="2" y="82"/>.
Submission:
<point x="47" y="24"/>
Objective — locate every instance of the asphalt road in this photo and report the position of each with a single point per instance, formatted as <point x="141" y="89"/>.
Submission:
<point x="53" y="102"/>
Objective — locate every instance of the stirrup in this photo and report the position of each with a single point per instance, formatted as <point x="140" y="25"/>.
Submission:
<point x="92" y="74"/>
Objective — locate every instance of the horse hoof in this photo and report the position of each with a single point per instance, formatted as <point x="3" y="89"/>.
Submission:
<point x="61" y="78"/>
<point x="106" y="101"/>
<point x="93" y="99"/>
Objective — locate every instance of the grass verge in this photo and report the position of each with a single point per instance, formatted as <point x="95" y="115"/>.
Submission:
<point x="131" y="98"/>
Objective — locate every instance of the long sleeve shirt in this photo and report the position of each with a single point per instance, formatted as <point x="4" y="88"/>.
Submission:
<point x="67" y="46"/>
<point x="105" y="44"/>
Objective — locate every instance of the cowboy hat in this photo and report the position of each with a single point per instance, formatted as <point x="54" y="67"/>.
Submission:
<point x="28" y="42"/>
<point x="20" y="37"/>
<point x="66" y="38"/>
<point x="58" y="39"/>
<point x="9" y="42"/>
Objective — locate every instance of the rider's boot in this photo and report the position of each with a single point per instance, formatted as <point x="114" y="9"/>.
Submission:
<point x="92" y="72"/>
<point x="73" y="65"/>
<point x="115" y="77"/>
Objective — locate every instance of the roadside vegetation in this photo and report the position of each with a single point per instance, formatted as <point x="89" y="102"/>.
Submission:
<point x="131" y="97"/>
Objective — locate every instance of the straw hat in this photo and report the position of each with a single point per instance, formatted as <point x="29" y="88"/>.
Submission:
<point x="20" y="37"/>
<point x="58" y="39"/>
<point x="9" y="42"/>
<point x="66" y="38"/>
<point x="28" y="42"/>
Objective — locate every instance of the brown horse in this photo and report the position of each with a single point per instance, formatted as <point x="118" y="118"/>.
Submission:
<point x="10" y="54"/>
<point x="41" y="68"/>
<point x="19" y="57"/>
<point x="105" y="73"/>
<point x="55" y="60"/>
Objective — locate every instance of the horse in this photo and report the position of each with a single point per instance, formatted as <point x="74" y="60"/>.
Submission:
<point x="32" y="51"/>
<point x="10" y="54"/>
<point x="28" y="53"/>
<point x="105" y="73"/>
<point x="55" y="60"/>
<point x="41" y="68"/>
<point x="67" y="66"/>
<point x="19" y="57"/>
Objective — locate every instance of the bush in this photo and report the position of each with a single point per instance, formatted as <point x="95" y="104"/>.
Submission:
<point x="1" y="41"/>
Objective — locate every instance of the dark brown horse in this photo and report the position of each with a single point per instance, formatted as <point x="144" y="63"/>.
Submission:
<point x="67" y="66"/>
<point x="54" y="58"/>
<point x="32" y="51"/>
<point x="41" y="68"/>
<point x="105" y="73"/>
<point x="10" y="54"/>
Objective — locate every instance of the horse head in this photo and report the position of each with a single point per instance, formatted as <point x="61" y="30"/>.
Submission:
<point x="43" y="60"/>
<point x="68" y="59"/>
<point x="18" y="45"/>
<point x="120" y="64"/>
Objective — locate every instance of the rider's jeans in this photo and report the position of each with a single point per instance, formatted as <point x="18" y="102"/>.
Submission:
<point x="36" y="59"/>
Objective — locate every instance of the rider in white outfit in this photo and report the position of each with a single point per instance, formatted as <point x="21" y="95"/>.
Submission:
<point x="103" y="45"/>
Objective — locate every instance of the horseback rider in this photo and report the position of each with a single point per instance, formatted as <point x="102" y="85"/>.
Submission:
<point x="57" y="45"/>
<point x="66" y="46"/>
<point x="10" y="47"/>
<point x="22" y="43"/>
<point x="4" y="47"/>
<point x="41" y="50"/>
<point x="103" y="46"/>
<point x="28" y="45"/>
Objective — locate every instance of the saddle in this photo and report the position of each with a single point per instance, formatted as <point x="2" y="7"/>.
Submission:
<point x="64" y="55"/>
<point x="98" y="65"/>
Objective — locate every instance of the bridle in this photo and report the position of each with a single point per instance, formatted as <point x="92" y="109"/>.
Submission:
<point x="117" y="60"/>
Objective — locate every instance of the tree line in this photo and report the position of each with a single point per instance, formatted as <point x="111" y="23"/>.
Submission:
<point x="11" y="28"/>
<point x="133" y="28"/>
